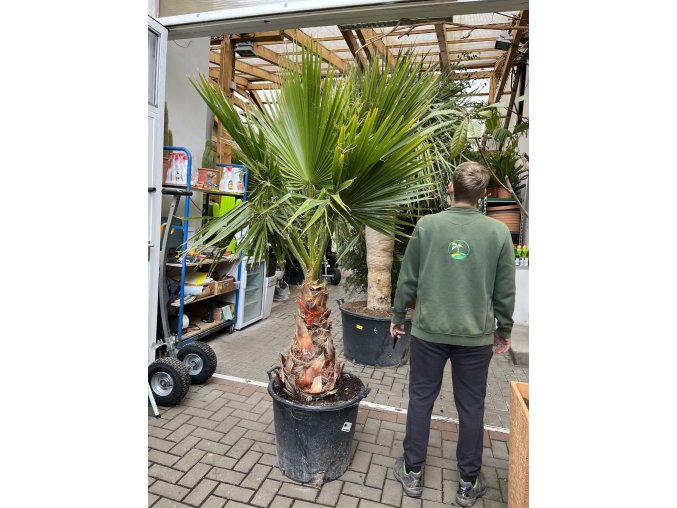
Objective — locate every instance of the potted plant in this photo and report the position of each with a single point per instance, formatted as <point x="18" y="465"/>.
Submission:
<point x="321" y="156"/>
<point x="366" y="323"/>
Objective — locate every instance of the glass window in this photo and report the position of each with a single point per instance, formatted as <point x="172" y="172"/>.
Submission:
<point x="152" y="67"/>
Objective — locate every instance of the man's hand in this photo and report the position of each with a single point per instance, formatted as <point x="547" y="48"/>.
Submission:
<point x="396" y="331"/>
<point x="501" y="345"/>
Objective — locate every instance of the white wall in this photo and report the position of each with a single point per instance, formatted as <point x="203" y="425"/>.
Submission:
<point x="188" y="113"/>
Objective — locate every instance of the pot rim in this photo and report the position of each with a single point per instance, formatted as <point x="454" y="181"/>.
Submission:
<point x="364" y="391"/>
<point x="367" y="316"/>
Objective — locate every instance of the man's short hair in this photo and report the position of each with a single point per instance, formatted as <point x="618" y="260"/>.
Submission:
<point x="470" y="181"/>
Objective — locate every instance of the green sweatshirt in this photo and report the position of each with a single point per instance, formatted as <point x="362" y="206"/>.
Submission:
<point x="460" y="267"/>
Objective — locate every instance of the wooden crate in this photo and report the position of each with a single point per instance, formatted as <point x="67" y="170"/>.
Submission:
<point x="518" y="446"/>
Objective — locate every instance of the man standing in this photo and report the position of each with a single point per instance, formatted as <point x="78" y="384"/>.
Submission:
<point x="460" y="267"/>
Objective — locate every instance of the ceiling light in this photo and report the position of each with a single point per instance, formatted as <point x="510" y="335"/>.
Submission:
<point x="245" y="49"/>
<point x="503" y="42"/>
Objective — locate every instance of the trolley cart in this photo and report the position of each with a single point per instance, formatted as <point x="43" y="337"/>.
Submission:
<point x="176" y="367"/>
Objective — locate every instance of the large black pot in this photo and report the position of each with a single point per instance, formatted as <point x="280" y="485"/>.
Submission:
<point x="313" y="442"/>
<point x="367" y="340"/>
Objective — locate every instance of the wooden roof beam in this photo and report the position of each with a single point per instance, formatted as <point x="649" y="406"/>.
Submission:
<point x="300" y="37"/>
<point x="368" y="35"/>
<point x="268" y="55"/>
<point x="502" y="77"/>
<point x="444" y="48"/>
<point x="351" y="41"/>
<point x="245" y="68"/>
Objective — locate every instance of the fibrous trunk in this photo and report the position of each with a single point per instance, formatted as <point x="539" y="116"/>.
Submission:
<point x="379" y="263"/>
<point x="310" y="370"/>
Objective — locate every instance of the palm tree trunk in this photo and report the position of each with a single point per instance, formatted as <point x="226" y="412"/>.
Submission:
<point x="310" y="370"/>
<point x="379" y="263"/>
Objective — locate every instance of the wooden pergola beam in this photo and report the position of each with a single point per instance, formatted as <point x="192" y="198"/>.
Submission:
<point x="300" y="37"/>
<point x="246" y="68"/>
<point x="502" y="76"/>
<point x="442" y="43"/>
<point x="351" y="41"/>
<point x="226" y="77"/>
<point x="369" y="37"/>
<point x="435" y="42"/>
<point x="268" y="55"/>
<point x="262" y="86"/>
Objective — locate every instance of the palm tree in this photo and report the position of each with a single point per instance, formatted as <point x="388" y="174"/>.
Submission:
<point x="330" y="152"/>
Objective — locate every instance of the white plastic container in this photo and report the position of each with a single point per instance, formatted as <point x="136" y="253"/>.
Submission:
<point x="268" y="293"/>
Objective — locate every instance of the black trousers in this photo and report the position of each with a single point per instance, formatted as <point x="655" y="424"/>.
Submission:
<point x="469" y="370"/>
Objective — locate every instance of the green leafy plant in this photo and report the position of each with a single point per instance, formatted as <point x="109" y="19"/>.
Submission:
<point x="347" y="151"/>
<point x="209" y="157"/>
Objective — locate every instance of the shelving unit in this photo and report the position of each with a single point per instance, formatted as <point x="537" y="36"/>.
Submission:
<point x="205" y="328"/>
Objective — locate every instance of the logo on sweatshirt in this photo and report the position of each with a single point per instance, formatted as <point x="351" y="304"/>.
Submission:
<point x="458" y="249"/>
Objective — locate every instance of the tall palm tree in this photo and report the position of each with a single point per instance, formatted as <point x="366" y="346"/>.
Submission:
<point x="329" y="152"/>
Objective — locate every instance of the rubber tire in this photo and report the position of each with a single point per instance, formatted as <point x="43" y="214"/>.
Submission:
<point x="178" y="371"/>
<point x="336" y="278"/>
<point x="208" y="357"/>
<point x="230" y="329"/>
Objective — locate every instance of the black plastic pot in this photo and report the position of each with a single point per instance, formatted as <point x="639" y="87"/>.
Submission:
<point x="367" y="340"/>
<point x="313" y="442"/>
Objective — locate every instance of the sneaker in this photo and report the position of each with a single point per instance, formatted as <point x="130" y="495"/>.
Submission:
<point x="411" y="482"/>
<point x="467" y="493"/>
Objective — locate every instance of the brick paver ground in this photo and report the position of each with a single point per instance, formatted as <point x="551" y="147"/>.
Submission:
<point x="217" y="448"/>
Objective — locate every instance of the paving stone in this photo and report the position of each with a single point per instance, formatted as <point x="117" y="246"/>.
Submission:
<point x="305" y="504"/>
<point x="168" y="503"/>
<point x="234" y="492"/>
<point x="180" y="433"/>
<point x="373" y="448"/>
<point x="158" y="432"/>
<point x="382" y="460"/>
<point x="410" y="502"/>
<point x="185" y="445"/>
<point x="260" y="437"/>
<point x="361" y="491"/>
<point x="152" y="498"/>
<point x="238" y="450"/>
<point x="212" y="447"/>
<point x="226" y="425"/>
<point x="202" y="413"/>
<point x="214" y="459"/>
<point x="189" y="459"/>
<point x="163" y="458"/>
<point x="165" y="473"/>
<point x="160" y="444"/>
<point x="203" y="422"/>
<point x="164" y="489"/>
<point x="222" y="413"/>
<point x="353" y="477"/>
<point x="385" y="437"/>
<point x="265" y="493"/>
<point x="499" y="450"/>
<point x="177" y="421"/>
<point x="256" y="476"/>
<point x="281" y="502"/>
<point x="376" y="476"/>
<point x="298" y="491"/>
<point x="234" y="435"/>
<point x="372" y="504"/>
<point x="347" y="502"/>
<point x="360" y="461"/>
<point x="237" y="504"/>
<point x="392" y="492"/>
<point x="211" y="435"/>
<point x="225" y="475"/>
<point x="213" y="502"/>
<point x="200" y="492"/>
<point x="267" y="459"/>
<point x="330" y="493"/>
<point x="192" y="477"/>
<point x="433" y="477"/>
